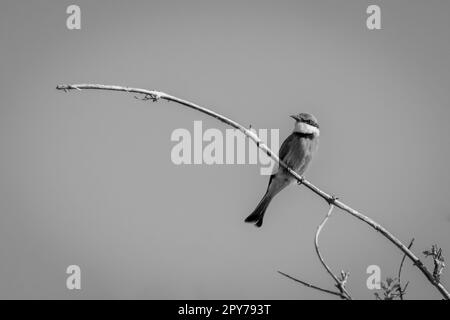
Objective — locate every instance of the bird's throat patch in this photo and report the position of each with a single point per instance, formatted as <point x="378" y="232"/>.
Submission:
<point x="305" y="128"/>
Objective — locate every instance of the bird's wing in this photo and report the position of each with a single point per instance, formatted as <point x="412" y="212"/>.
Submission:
<point x="297" y="151"/>
<point x="292" y="152"/>
<point x="285" y="154"/>
<point x="284" y="150"/>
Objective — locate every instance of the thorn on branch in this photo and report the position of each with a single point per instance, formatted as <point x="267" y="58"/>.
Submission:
<point x="147" y="97"/>
<point x="332" y="200"/>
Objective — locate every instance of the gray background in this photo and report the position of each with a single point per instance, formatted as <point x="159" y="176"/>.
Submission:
<point x="86" y="178"/>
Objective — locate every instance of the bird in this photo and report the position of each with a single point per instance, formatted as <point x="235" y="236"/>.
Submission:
<point x="297" y="152"/>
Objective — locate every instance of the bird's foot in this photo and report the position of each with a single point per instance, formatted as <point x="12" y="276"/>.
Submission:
<point x="332" y="200"/>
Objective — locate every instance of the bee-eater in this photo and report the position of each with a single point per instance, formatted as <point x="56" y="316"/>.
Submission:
<point x="297" y="152"/>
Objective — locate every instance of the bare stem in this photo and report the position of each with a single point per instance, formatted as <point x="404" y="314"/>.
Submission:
<point x="309" y="285"/>
<point x="156" y="95"/>
<point x="340" y="283"/>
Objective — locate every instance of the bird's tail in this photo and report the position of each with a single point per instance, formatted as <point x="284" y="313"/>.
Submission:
<point x="257" y="215"/>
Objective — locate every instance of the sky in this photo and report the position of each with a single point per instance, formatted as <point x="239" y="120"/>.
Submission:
<point x="86" y="178"/>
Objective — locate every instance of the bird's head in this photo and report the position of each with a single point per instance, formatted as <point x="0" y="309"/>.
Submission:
<point x="306" y="123"/>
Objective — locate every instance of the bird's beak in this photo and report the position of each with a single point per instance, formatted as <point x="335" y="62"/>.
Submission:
<point x="294" y="117"/>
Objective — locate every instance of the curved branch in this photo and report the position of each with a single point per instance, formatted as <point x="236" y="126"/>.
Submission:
<point x="340" y="283"/>
<point x="157" y="95"/>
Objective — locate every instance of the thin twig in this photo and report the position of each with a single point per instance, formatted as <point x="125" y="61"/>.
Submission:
<point x="156" y="95"/>
<point x="402" y="291"/>
<point x="340" y="283"/>
<point x="313" y="286"/>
